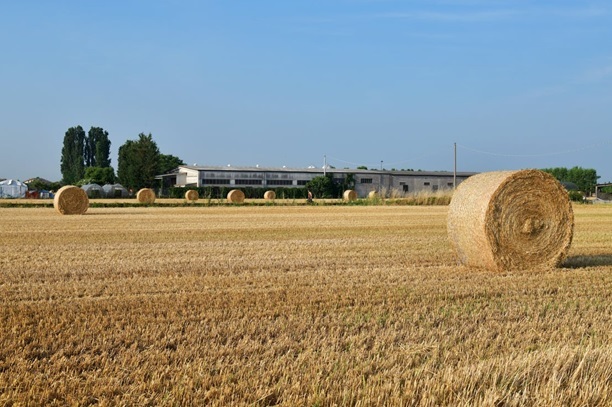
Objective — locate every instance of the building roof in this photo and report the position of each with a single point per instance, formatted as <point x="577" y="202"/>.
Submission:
<point x="39" y="179"/>
<point x="319" y="170"/>
<point x="12" y="182"/>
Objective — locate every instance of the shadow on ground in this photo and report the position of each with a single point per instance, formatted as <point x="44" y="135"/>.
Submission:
<point x="588" y="261"/>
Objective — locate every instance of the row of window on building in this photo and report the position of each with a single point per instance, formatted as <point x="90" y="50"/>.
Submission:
<point x="275" y="182"/>
<point x="288" y="182"/>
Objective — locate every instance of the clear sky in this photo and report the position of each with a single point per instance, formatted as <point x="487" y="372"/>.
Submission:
<point x="516" y="84"/>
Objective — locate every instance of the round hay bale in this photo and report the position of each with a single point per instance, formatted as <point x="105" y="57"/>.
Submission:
<point x="349" y="195"/>
<point x="146" y="195"/>
<point x="270" y="195"/>
<point x="71" y="200"/>
<point x="192" y="195"/>
<point x="372" y="195"/>
<point x="511" y="220"/>
<point x="235" y="196"/>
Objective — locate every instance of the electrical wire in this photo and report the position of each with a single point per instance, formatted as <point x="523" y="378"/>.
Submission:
<point x="422" y="156"/>
<point x="551" y="153"/>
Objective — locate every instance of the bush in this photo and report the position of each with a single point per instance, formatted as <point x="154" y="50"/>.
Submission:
<point x="576" y="196"/>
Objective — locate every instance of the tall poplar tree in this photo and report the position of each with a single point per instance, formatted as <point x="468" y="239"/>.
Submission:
<point x="89" y="150"/>
<point x="72" y="164"/>
<point x="97" y="148"/>
<point x="102" y="153"/>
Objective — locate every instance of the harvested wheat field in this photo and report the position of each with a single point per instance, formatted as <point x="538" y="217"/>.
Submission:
<point x="293" y="306"/>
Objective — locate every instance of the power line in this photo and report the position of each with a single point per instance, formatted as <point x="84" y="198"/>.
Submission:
<point x="423" y="156"/>
<point x="551" y="153"/>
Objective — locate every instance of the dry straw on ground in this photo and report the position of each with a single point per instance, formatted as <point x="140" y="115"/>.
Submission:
<point x="511" y="220"/>
<point x="267" y="305"/>
<point x="192" y="195"/>
<point x="71" y="200"/>
<point x="270" y="195"/>
<point x="146" y="195"/>
<point x="235" y="196"/>
<point x="349" y="195"/>
<point x="373" y="195"/>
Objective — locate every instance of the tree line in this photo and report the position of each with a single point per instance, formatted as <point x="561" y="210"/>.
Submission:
<point x="584" y="178"/>
<point x="86" y="159"/>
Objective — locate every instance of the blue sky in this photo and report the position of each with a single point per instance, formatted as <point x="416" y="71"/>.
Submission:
<point x="516" y="84"/>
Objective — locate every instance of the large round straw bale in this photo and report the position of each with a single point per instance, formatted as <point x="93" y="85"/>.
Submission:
<point x="349" y="195"/>
<point x="270" y="195"/>
<point x="192" y="195"/>
<point x="511" y="220"/>
<point x="372" y="195"/>
<point x="71" y="200"/>
<point x="146" y="195"/>
<point x="235" y="196"/>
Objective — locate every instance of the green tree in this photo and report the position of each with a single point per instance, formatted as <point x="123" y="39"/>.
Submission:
<point x="168" y="162"/>
<point x="584" y="178"/>
<point x="560" y="173"/>
<point x="126" y="171"/>
<point x="138" y="162"/>
<point x="89" y="150"/>
<point x="72" y="165"/>
<point x="322" y="186"/>
<point x="99" y="175"/>
<point x="38" y="184"/>
<point x="99" y="145"/>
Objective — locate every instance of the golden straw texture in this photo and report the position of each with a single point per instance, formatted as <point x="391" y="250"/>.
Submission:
<point x="270" y="195"/>
<point x="373" y="195"/>
<point x="71" y="200"/>
<point x="235" y="196"/>
<point x="146" y="195"/>
<point x="511" y="220"/>
<point x="192" y="195"/>
<point x="349" y="195"/>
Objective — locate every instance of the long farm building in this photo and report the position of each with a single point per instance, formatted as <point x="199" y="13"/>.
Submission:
<point x="259" y="177"/>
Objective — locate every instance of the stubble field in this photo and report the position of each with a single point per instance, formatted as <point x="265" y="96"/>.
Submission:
<point x="295" y="306"/>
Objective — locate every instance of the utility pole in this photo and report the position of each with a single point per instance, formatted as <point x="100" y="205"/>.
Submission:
<point x="381" y="175"/>
<point x="455" y="169"/>
<point x="325" y="165"/>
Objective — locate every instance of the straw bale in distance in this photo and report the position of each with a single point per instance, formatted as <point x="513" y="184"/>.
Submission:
<point x="270" y="195"/>
<point x="349" y="195"/>
<point x="146" y="195"/>
<point x="192" y="195"/>
<point x="373" y="195"/>
<point x="235" y="196"/>
<point x="71" y="200"/>
<point x="511" y="220"/>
